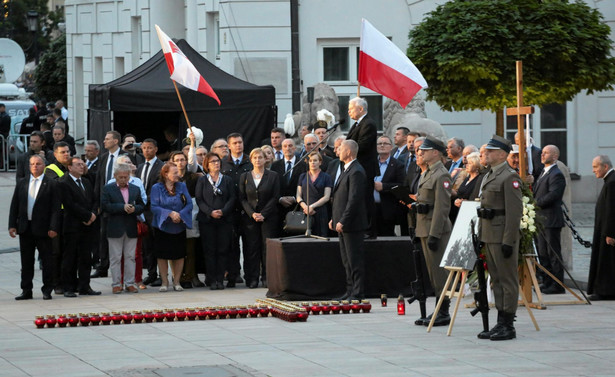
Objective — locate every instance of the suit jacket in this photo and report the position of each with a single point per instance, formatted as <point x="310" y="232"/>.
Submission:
<point x="393" y="176"/>
<point x="228" y="168"/>
<point x="262" y="199"/>
<point x="404" y="151"/>
<point x="112" y="203"/>
<point x="348" y="199"/>
<point x="365" y="134"/>
<point x="288" y="188"/>
<point x="328" y="151"/>
<point x="501" y="190"/>
<point x="208" y="202"/>
<point x="412" y="171"/>
<point x="332" y="168"/>
<point x="537" y="165"/>
<point x="92" y="172"/>
<point x="46" y="213"/>
<point x="434" y="190"/>
<point x="101" y="175"/>
<point x="78" y="204"/>
<point x="152" y="176"/>
<point x="548" y="193"/>
<point x="601" y="278"/>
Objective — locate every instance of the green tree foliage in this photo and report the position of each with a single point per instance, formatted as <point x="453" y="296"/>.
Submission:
<point x="13" y="23"/>
<point x="50" y="73"/>
<point x="466" y="50"/>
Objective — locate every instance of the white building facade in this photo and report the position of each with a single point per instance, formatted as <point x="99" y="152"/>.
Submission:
<point x="252" y="40"/>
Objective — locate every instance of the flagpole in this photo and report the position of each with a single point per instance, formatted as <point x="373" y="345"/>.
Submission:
<point x="358" y="89"/>
<point x="182" y="104"/>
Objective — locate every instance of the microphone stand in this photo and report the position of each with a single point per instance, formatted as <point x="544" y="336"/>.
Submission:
<point x="308" y="230"/>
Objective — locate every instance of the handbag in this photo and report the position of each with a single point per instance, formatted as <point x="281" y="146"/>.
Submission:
<point x="295" y="222"/>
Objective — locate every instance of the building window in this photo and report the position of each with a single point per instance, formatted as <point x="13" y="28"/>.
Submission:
<point x="553" y="128"/>
<point x="335" y="63"/>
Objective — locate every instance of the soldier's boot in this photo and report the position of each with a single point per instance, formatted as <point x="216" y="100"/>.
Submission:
<point x="487" y="334"/>
<point x="443" y="318"/>
<point x="507" y="330"/>
<point x="423" y="321"/>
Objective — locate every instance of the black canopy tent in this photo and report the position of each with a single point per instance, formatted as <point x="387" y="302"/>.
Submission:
<point x="144" y="102"/>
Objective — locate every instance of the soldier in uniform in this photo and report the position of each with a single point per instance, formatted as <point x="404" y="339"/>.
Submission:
<point x="500" y="212"/>
<point x="433" y="226"/>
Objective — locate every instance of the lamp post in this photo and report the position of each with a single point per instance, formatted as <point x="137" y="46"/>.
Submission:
<point x="32" y="22"/>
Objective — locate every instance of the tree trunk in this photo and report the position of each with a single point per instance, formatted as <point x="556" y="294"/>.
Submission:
<point x="499" y="122"/>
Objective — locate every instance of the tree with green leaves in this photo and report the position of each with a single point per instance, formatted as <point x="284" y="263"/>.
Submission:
<point x="50" y="73"/>
<point x="466" y="50"/>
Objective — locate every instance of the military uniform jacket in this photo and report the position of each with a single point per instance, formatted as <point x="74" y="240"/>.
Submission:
<point x="435" y="191"/>
<point x="501" y="190"/>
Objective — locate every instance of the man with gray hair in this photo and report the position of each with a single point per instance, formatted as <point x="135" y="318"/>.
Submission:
<point x="349" y="219"/>
<point x="454" y="150"/>
<point x="601" y="281"/>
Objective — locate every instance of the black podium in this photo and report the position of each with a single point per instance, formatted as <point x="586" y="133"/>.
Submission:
<point x="311" y="269"/>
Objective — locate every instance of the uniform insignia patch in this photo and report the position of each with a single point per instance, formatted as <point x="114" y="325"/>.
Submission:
<point x="516" y="184"/>
<point x="446" y="184"/>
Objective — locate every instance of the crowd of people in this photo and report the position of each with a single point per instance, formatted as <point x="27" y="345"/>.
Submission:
<point x="126" y="210"/>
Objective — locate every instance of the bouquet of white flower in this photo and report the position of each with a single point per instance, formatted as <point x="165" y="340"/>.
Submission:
<point x="529" y="223"/>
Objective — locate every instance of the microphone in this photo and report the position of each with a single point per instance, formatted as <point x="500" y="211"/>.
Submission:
<point x="336" y="125"/>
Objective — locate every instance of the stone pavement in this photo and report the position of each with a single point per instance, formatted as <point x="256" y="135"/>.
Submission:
<point x="575" y="340"/>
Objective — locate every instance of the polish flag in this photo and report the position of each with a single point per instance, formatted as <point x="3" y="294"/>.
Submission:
<point x="181" y="69"/>
<point x="385" y="69"/>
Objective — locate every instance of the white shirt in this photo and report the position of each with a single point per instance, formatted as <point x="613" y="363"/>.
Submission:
<point x="115" y="156"/>
<point x="33" y="193"/>
<point x="151" y="164"/>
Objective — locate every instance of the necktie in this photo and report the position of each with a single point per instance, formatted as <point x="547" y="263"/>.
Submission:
<point x="110" y="168"/>
<point x="237" y="162"/>
<point x="31" y="197"/>
<point x="544" y="171"/>
<point x="80" y="184"/>
<point x="145" y="173"/>
<point x="482" y="184"/>
<point x="289" y="166"/>
<point x="89" y="164"/>
<point x="278" y="155"/>
<point x="396" y="154"/>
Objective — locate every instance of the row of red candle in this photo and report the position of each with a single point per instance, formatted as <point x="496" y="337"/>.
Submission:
<point x="290" y="313"/>
<point x="335" y="307"/>
<point x="166" y="315"/>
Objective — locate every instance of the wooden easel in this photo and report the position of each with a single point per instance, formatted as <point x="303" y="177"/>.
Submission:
<point x="530" y="268"/>
<point x="454" y="275"/>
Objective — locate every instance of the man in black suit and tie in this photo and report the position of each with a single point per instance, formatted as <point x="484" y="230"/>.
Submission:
<point x="91" y="150"/>
<point x="400" y="139"/>
<point x="35" y="215"/>
<point x="388" y="209"/>
<point x="364" y="132"/>
<point x="235" y="164"/>
<point x="149" y="172"/>
<point x="105" y="173"/>
<point x="548" y="193"/>
<point x="80" y="207"/>
<point x="349" y="219"/>
<point x="289" y="177"/>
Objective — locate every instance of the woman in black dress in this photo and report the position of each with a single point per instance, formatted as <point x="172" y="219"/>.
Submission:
<point x="259" y="191"/>
<point x="466" y="189"/>
<point x="320" y="186"/>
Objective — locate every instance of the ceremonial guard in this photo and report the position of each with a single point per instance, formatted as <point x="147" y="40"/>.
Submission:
<point x="433" y="226"/>
<point x="500" y="212"/>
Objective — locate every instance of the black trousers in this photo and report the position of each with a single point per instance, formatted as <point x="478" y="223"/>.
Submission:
<point x="77" y="260"/>
<point x="255" y="247"/>
<point x="216" y="241"/>
<point x="57" y="247"/>
<point x="232" y="264"/>
<point x="384" y="226"/>
<point x="150" y="262"/>
<point x="95" y="242"/>
<point x="353" y="258"/>
<point x="27" y="244"/>
<point x="547" y="255"/>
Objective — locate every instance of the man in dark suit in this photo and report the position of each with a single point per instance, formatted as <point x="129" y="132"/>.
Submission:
<point x="548" y="193"/>
<point x="235" y="164"/>
<point x="36" y="146"/>
<point x="35" y="215"/>
<point x="364" y="132"/>
<point x="454" y="151"/>
<point x="320" y="130"/>
<point x="601" y="280"/>
<point x="349" y="219"/>
<point x="400" y="139"/>
<point x="122" y="203"/>
<point x="80" y="207"/>
<point x="289" y="177"/>
<point x="105" y="173"/>
<point x="149" y="172"/>
<point x="412" y="172"/>
<point x="388" y="209"/>
<point x="91" y="150"/>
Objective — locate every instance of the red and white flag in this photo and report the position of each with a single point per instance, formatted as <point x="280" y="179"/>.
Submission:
<point x="181" y="69"/>
<point x="385" y="69"/>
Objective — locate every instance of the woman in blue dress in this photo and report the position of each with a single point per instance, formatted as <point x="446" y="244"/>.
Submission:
<point x="320" y="186"/>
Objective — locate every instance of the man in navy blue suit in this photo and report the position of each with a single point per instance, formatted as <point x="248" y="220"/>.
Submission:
<point x="548" y="193"/>
<point x="349" y="218"/>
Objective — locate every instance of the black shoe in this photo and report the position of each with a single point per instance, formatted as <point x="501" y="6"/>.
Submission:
<point x="58" y="291"/>
<point x="149" y="280"/>
<point x="196" y="283"/>
<point x="156" y="283"/>
<point x="238" y="280"/>
<point x="506" y="330"/>
<point x="423" y="321"/>
<point x="554" y="290"/>
<point x="230" y="284"/>
<point x="186" y="284"/>
<point x="47" y="296"/>
<point x="370" y="236"/>
<point x="264" y="283"/>
<point x="253" y="284"/>
<point x="443" y="318"/>
<point x="342" y="297"/>
<point x="89" y="292"/>
<point x="214" y="287"/>
<point x="99" y="274"/>
<point x="219" y="285"/>
<point x="25" y="295"/>
<point x="70" y="294"/>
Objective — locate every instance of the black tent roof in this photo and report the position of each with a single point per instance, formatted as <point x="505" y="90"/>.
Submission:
<point x="149" y="88"/>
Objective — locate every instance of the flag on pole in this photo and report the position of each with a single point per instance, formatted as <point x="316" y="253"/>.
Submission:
<point x="181" y="69"/>
<point x="385" y="69"/>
